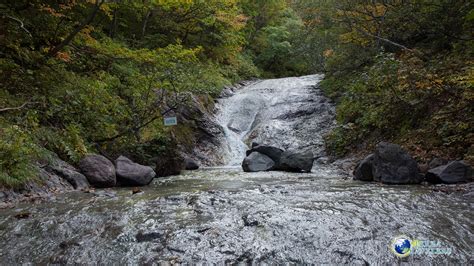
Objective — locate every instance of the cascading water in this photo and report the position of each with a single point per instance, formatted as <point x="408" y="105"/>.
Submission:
<point x="225" y="216"/>
<point x="235" y="116"/>
<point x="289" y="113"/>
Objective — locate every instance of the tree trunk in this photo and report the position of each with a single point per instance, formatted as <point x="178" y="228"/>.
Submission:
<point x="73" y="34"/>
<point x="144" y="24"/>
<point x="113" y="26"/>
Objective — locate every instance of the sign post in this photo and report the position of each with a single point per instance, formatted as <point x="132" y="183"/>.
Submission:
<point x="170" y="121"/>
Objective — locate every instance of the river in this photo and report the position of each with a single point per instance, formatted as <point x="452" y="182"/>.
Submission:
<point x="222" y="215"/>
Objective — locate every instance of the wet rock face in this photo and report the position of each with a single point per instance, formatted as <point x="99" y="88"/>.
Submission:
<point x="296" y="161"/>
<point x="287" y="113"/>
<point x="451" y="173"/>
<point x="134" y="174"/>
<point x="393" y="165"/>
<point x="100" y="172"/>
<point x="389" y="164"/>
<point x="198" y="115"/>
<point x="257" y="162"/>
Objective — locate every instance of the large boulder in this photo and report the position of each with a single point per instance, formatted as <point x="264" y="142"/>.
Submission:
<point x="100" y="172"/>
<point x="190" y="164"/>
<point x="451" y="173"/>
<point x="296" y="161"/>
<point x="134" y="174"/>
<point x="393" y="165"/>
<point x="364" y="169"/>
<point x="257" y="162"/>
<point x="273" y="152"/>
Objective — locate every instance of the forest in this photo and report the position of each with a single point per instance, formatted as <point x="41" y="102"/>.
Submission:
<point x="78" y="77"/>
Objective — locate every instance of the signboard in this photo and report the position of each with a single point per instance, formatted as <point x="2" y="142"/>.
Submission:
<point x="170" y="121"/>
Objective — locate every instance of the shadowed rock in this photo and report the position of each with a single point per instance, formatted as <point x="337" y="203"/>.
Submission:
<point x="147" y="237"/>
<point x="296" y="161"/>
<point x="100" y="172"/>
<point x="257" y="162"/>
<point x="451" y="173"/>
<point x="389" y="164"/>
<point x="364" y="170"/>
<point x="190" y="164"/>
<point x="134" y="174"/>
<point x="393" y="165"/>
<point x="273" y="152"/>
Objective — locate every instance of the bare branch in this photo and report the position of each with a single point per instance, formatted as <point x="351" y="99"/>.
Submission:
<point x="16" y="108"/>
<point x="384" y="40"/>
<point x="22" y="25"/>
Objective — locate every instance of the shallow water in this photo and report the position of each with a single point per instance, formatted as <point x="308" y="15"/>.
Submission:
<point x="225" y="215"/>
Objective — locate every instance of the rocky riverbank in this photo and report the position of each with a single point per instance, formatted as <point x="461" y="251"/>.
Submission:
<point x="56" y="176"/>
<point x="390" y="164"/>
<point x="53" y="178"/>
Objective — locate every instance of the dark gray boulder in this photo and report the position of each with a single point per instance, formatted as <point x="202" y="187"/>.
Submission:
<point x="273" y="152"/>
<point x="134" y="174"/>
<point x="393" y="165"/>
<point x="248" y="152"/>
<point x="451" y="173"/>
<point x="364" y="169"/>
<point x="257" y="162"/>
<point x="190" y="164"/>
<point x="100" y="172"/>
<point x="296" y="161"/>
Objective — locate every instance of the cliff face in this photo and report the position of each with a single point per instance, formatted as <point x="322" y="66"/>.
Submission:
<point x="208" y="135"/>
<point x="199" y="134"/>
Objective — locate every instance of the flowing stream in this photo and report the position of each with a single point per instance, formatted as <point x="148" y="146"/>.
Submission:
<point x="222" y="215"/>
<point x="289" y="113"/>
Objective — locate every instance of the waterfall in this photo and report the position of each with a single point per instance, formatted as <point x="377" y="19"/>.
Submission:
<point x="289" y="113"/>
